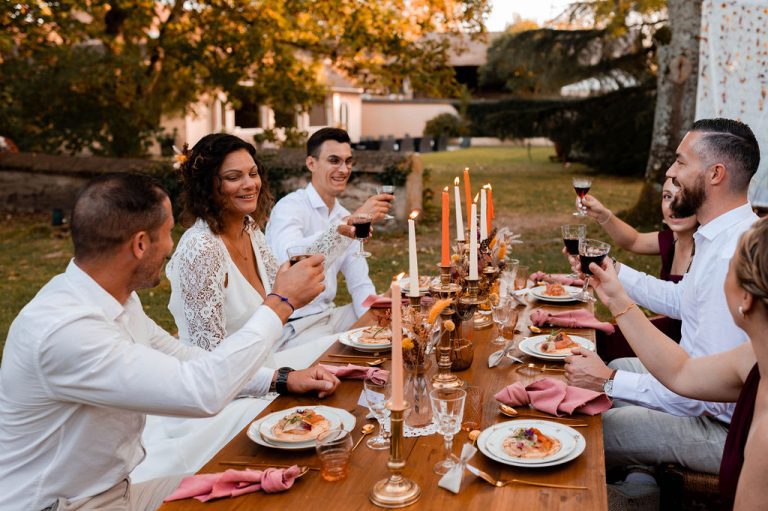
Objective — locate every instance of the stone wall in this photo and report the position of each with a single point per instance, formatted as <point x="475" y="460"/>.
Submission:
<point x="32" y="182"/>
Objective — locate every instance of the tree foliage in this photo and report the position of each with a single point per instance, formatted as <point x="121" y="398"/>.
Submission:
<point x="77" y="74"/>
<point x="541" y="62"/>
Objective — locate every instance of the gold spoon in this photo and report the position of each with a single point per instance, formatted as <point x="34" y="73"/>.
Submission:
<point x="511" y="412"/>
<point x="367" y="430"/>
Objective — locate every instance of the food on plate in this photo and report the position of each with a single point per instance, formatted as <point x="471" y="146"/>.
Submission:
<point x="375" y="335"/>
<point x="559" y="343"/>
<point x="530" y="443"/>
<point x="300" y="426"/>
<point x="554" y="289"/>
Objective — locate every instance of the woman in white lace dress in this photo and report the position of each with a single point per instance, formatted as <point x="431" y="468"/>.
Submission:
<point x="220" y="273"/>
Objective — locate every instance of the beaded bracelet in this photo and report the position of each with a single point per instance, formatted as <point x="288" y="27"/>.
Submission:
<point x="632" y="304"/>
<point x="284" y="300"/>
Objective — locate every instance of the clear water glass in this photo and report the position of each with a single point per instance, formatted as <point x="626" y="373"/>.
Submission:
<point x="389" y="189"/>
<point x="377" y="395"/>
<point x="448" y="410"/>
<point x="501" y="312"/>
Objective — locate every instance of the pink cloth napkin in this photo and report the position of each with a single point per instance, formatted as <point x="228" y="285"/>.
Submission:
<point x="233" y="483"/>
<point x="354" y="372"/>
<point x="555" y="397"/>
<point x="560" y="278"/>
<point x="379" y="302"/>
<point x="579" y="318"/>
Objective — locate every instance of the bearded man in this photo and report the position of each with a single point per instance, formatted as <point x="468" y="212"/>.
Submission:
<point x="650" y="425"/>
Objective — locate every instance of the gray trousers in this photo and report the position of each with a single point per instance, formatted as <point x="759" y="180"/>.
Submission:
<point x="124" y="496"/>
<point x="638" y="436"/>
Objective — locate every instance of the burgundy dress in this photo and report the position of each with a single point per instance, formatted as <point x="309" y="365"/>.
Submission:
<point x="612" y="346"/>
<point x="733" y="452"/>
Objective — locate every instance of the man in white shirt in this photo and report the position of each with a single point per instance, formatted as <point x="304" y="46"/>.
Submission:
<point x="301" y="216"/>
<point x="83" y="363"/>
<point x="649" y="424"/>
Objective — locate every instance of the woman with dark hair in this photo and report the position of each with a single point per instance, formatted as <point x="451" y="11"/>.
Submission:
<point x="221" y="271"/>
<point x="223" y="268"/>
<point x="734" y="375"/>
<point x="674" y="245"/>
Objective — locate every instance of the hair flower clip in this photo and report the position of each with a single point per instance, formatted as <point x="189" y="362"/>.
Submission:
<point x="180" y="157"/>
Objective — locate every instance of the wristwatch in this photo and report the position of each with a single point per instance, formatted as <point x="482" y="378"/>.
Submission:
<point x="280" y="384"/>
<point x="608" y="384"/>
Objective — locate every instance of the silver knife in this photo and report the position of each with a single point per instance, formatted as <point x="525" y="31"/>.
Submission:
<point x="496" y="357"/>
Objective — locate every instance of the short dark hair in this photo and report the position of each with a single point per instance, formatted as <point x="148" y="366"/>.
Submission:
<point x="112" y="208"/>
<point x="200" y="173"/>
<point x="323" y="134"/>
<point x="731" y="143"/>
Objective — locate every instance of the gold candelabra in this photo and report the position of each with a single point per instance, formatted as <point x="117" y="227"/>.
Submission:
<point x="396" y="490"/>
<point x="444" y="377"/>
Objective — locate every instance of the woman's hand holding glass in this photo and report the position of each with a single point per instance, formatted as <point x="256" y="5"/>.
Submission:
<point x="605" y="282"/>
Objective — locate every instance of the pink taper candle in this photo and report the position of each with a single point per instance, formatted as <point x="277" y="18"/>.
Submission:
<point x="396" y="375"/>
<point x="445" y="255"/>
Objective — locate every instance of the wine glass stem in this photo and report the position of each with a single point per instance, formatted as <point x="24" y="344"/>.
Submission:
<point x="586" y="285"/>
<point x="448" y="442"/>
<point x="361" y="248"/>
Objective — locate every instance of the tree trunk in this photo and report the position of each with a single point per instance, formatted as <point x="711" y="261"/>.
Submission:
<point x="676" y="81"/>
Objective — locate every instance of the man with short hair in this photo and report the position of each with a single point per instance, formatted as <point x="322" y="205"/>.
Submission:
<point x="83" y="364"/>
<point x="649" y="424"/>
<point x="301" y="216"/>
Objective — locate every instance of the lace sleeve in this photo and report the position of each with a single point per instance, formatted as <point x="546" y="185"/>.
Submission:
<point x="201" y="272"/>
<point x="331" y="244"/>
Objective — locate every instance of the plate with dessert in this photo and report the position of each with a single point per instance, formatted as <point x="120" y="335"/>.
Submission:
<point x="368" y="339"/>
<point x="554" y="292"/>
<point x="531" y="443"/>
<point x="298" y="427"/>
<point x="555" y="346"/>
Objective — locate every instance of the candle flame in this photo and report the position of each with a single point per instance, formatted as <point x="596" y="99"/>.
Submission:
<point x="414" y="214"/>
<point x="456" y="181"/>
<point x="489" y="186"/>
<point x="476" y="197"/>
<point x="445" y="189"/>
<point x="398" y="276"/>
<point x="466" y="169"/>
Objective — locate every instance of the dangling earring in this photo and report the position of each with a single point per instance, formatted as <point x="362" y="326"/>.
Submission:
<point x="741" y="311"/>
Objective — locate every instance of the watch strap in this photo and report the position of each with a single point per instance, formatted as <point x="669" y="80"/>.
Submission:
<point x="281" y="382"/>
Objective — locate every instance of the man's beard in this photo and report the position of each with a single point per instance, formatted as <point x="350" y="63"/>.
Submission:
<point x="688" y="201"/>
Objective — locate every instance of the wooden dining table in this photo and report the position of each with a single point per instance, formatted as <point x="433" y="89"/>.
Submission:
<point x="367" y="466"/>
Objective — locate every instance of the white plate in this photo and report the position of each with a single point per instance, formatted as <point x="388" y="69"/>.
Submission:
<point x="580" y="442"/>
<point x="405" y="285"/>
<point x="348" y="422"/>
<point x="494" y="439"/>
<point x="268" y="422"/>
<point x="538" y="293"/>
<point x="348" y="339"/>
<point x="530" y="346"/>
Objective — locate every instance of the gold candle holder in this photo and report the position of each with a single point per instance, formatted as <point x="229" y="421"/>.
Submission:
<point x="396" y="490"/>
<point x="415" y="302"/>
<point x="444" y="377"/>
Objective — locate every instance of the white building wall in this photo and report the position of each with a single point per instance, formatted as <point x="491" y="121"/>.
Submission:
<point x="398" y="118"/>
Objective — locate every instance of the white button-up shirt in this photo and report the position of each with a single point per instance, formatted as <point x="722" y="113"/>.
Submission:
<point x="300" y="218"/>
<point x="80" y="371"/>
<point x="699" y="301"/>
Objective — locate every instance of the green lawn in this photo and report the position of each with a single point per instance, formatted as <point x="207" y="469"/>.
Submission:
<point x="532" y="196"/>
